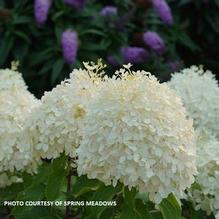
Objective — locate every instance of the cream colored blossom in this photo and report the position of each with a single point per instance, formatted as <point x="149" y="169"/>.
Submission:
<point x="6" y="180"/>
<point x="200" y="94"/>
<point x="135" y="131"/>
<point x="54" y="125"/>
<point x="16" y="104"/>
<point x="205" y="192"/>
<point x="10" y="79"/>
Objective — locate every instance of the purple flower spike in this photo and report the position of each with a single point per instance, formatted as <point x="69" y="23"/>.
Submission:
<point x="154" y="42"/>
<point x="163" y="10"/>
<point x="75" y="3"/>
<point x="108" y="11"/>
<point x="41" y="10"/>
<point x="69" y="41"/>
<point x="134" y="55"/>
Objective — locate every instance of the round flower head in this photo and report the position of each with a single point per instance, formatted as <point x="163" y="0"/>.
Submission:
<point x="163" y="10"/>
<point x="54" y="125"/>
<point x="154" y="42"/>
<point x="136" y="132"/>
<point x="134" y="55"/>
<point x="109" y="11"/>
<point x="16" y="104"/>
<point x="41" y="10"/>
<point x="205" y="192"/>
<point x="200" y="93"/>
<point x="75" y="3"/>
<point x="69" y="43"/>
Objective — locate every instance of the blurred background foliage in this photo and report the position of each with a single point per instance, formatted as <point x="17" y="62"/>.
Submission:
<point x="191" y="39"/>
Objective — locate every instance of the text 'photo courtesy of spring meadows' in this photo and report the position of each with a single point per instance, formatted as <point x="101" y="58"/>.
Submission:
<point x="109" y="109"/>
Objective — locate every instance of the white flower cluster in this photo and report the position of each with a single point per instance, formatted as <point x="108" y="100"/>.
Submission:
<point x="10" y="79"/>
<point x="200" y="93"/>
<point x="205" y="193"/>
<point x="54" y="125"/>
<point x="16" y="104"/>
<point x="129" y="128"/>
<point x="136" y="132"/>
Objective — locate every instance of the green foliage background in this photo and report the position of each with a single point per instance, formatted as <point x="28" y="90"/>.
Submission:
<point x="191" y="40"/>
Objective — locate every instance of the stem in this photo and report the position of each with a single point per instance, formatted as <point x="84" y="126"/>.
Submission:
<point x="68" y="210"/>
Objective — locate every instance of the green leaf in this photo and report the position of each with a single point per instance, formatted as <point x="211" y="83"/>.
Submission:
<point x="33" y="213"/>
<point x="129" y="197"/>
<point x="46" y="67"/>
<point x="84" y="185"/>
<point x="58" y="32"/>
<point x="92" y="31"/>
<point x="156" y="214"/>
<point x="40" y="57"/>
<point x="32" y="193"/>
<point x="104" y="193"/>
<point x="128" y="213"/>
<point x="142" y="196"/>
<point x="54" y="184"/>
<point x="188" y="42"/>
<point x="20" y="50"/>
<point x="170" y="208"/>
<point x="196" y="214"/>
<point x="134" y="207"/>
<point x="22" y="19"/>
<point x="213" y="20"/>
<point x="107" y="213"/>
<point x="56" y="70"/>
<point x="5" y="47"/>
<point x="22" y="36"/>
<point x="57" y="15"/>
<point x="10" y="192"/>
<point x="142" y="210"/>
<point x="55" y="179"/>
<point x="91" y="46"/>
